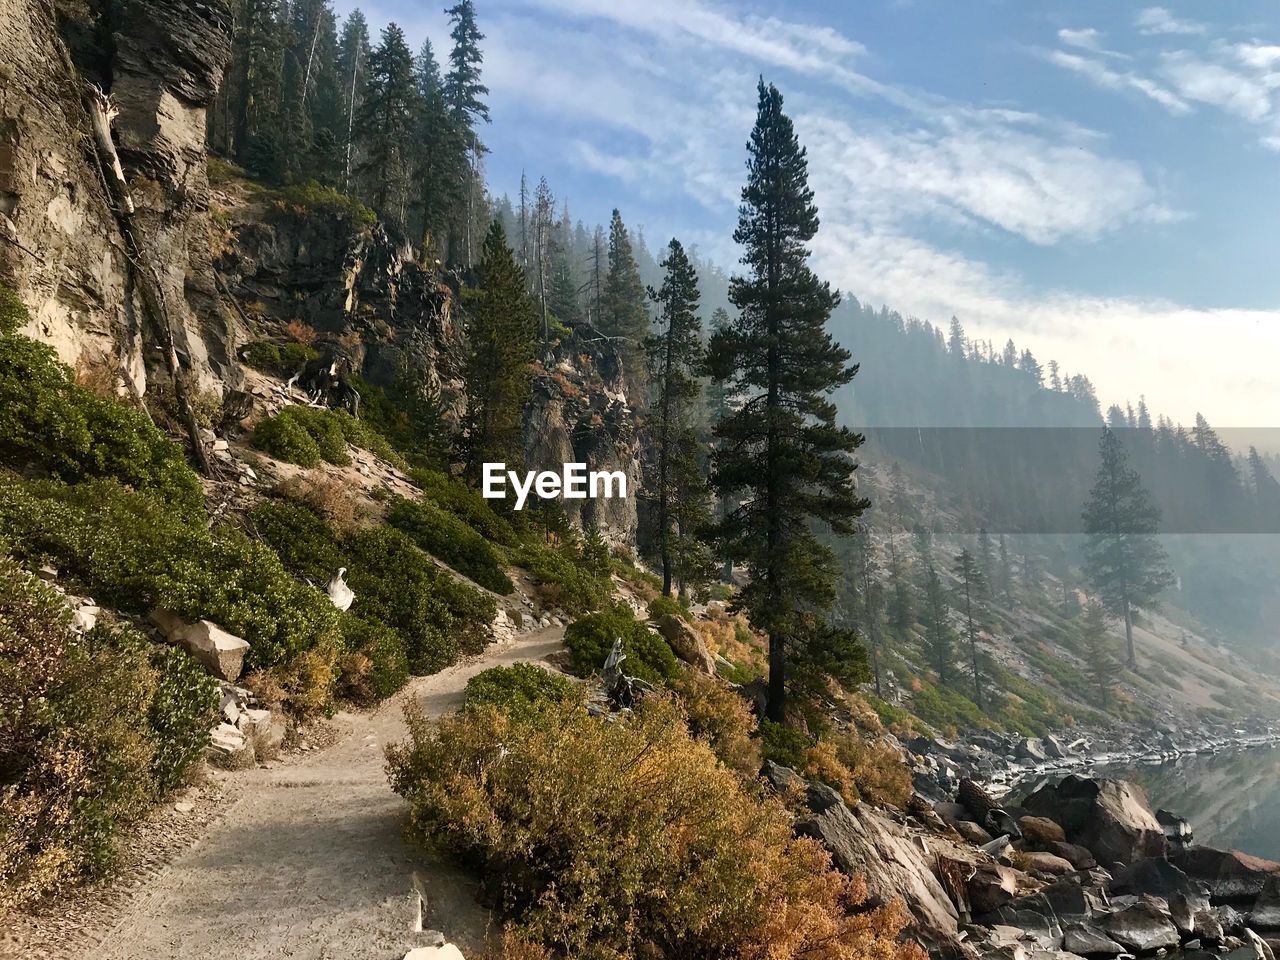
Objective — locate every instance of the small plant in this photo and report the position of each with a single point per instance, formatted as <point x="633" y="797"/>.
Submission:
<point x="376" y="666"/>
<point x="444" y="536"/>
<point x="590" y="639"/>
<point x="286" y="438"/>
<point x="518" y="687"/>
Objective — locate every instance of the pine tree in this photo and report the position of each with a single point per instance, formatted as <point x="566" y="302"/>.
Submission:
<point x="595" y="551"/>
<point x="502" y="331"/>
<point x="385" y="127"/>
<point x="354" y="52"/>
<point x="623" y="315"/>
<point x="1097" y="651"/>
<point x="719" y="400"/>
<point x="1123" y="560"/>
<point x="438" y="151"/>
<point x="986" y="561"/>
<point x="940" y="647"/>
<point x="1005" y="571"/>
<point x="544" y="211"/>
<point x="464" y="96"/>
<point x="675" y="355"/>
<point x="258" y="76"/>
<point x="783" y="457"/>
<point x="972" y="586"/>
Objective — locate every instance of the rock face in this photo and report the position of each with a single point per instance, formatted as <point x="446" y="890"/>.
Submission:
<point x="161" y="61"/>
<point x="686" y="643"/>
<point x="221" y="653"/>
<point x="1111" y="818"/>
<point x="864" y="841"/>
<point x="1229" y="874"/>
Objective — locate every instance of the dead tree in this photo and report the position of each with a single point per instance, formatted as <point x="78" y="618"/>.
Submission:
<point x="101" y="113"/>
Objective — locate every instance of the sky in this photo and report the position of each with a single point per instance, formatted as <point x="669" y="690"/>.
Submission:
<point x="1099" y="181"/>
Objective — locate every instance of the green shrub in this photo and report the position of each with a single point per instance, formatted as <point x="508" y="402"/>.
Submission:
<point x="376" y="665"/>
<point x="134" y="553"/>
<point x="518" y="687"/>
<point x="455" y="497"/>
<point x="286" y="438"/>
<point x="312" y="197"/>
<point x="73" y="433"/>
<point x="282" y="359"/>
<point x="590" y="639"/>
<point x="91" y="728"/>
<point x="303" y="540"/>
<point x="628" y="839"/>
<point x="783" y="744"/>
<point x="448" y="538"/>
<point x="661" y="606"/>
<point x="562" y="579"/>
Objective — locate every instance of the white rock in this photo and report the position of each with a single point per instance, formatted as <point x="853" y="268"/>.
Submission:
<point x="446" y="952"/>
<point x="86" y="617"/>
<point x="341" y="595"/>
<point x="220" y="445"/>
<point x="222" y="653"/>
<point x="184" y="807"/>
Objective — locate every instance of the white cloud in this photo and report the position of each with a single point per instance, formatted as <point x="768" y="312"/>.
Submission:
<point x="1247" y="96"/>
<point x="1087" y="38"/>
<point x="1103" y="76"/>
<point x="1158" y="20"/>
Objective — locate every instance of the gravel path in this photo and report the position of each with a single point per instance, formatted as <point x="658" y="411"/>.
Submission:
<point x="309" y="862"/>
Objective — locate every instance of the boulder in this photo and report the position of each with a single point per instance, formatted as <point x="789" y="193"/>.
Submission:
<point x="972" y="832"/>
<point x="1158" y="878"/>
<point x="1229" y="874"/>
<point x="221" y="653"/>
<point x="991" y="887"/>
<point x="1088" y="940"/>
<point x="1030" y="749"/>
<point x="1143" y="927"/>
<point x="1266" y="909"/>
<point x="1037" y="861"/>
<point x="1207" y="927"/>
<point x="1000" y="823"/>
<point x="1079" y="857"/>
<point x="230" y="748"/>
<point x="1111" y="818"/>
<point x="686" y="643"/>
<point x="446" y="952"/>
<point x="1176" y="828"/>
<point x="864" y="841"/>
<point x="1041" y="831"/>
<point x="782" y="779"/>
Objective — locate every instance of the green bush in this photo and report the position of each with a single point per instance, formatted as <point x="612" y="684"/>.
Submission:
<point x="518" y="687"/>
<point x="562" y="579"/>
<point x="590" y="639"/>
<point x="282" y="359"/>
<point x="376" y="665"/>
<point x="312" y="197"/>
<point x="448" y="538"/>
<point x="783" y="744"/>
<point x="455" y="497"/>
<point x="286" y="438"/>
<point x="91" y="728"/>
<point x="303" y="540"/>
<point x="74" y="434"/>
<point x="134" y="553"/>
<point x="661" y="606"/>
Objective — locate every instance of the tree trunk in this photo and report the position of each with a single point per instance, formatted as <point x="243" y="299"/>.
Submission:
<point x="1128" y="635"/>
<point x="101" y="113"/>
<point x="776" y="705"/>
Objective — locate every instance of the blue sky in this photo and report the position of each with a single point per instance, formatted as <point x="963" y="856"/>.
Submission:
<point x="1099" y="180"/>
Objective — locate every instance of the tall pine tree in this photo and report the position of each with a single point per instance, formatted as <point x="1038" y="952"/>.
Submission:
<point x="972" y="586"/>
<point x="623" y="314"/>
<point x="501" y="328"/>
<point x="1124" y="562"/>
<point x="783" y="458"/>
<point x="385" y="127"/>
<point x="675" y="356"/>
<point x="464" y="97"/>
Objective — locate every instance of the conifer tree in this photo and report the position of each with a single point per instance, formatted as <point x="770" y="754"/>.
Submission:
<point x="783" y="458"/>
<point x="258" y="77"/>
<point x="464" y="96"/>
<point x="972" y="586"/>
<point x="502" y="329"/>
<point x="1123" y="560"/>
<point x="719" y="400"/>
<point x="385" y="127"/>
<point x="623" y="314"/>
<point x="986" y="561"/>
<point x="1005" y="571"/>
<point x="354" y="52"/>
<point x="675" y="355"/>
<point x="437" y="151"/>
<point x="1098" y="658"/>
<point x="595" y="551"/>
<point x="940" y="647"/>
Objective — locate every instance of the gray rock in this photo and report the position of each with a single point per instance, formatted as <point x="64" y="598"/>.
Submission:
<point x="686" y="643"/>
<point x="1266" y="909"/>
<point x="991" y="887"/>
<point x="1143" y="927"/>
<point x="1111" y="818"/>
<point x="1089" y="941"/>
<point x="863" y="841"/>
<point x="221" y="653"/>
<point x="1229" y="874"/>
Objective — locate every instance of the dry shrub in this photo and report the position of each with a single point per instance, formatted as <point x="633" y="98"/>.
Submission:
<point x="326" y="495"/>
<point x="731" y="638"/>
<point x="721" y="719"/>
<point x="300" y="331"/>
<point x="861" y="768"/>
<point x="306" y="683"/>
<point x="628" y="839"/>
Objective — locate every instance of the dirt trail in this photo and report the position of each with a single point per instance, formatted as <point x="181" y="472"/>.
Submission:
<point x="310" y="863"/>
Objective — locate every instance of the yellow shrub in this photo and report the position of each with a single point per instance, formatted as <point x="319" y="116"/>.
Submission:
<point x="627" y="839"/>
<point x="721" y="719"/>
<point x="860" y="768"/>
